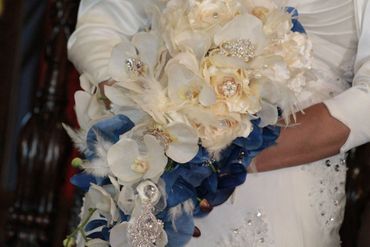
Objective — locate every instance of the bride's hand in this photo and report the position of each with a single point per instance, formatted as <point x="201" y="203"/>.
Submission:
<point x="315" y="136"/>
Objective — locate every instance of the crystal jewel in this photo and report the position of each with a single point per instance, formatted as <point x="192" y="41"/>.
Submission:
<point x="229" y="88"/>
<point x="241" y="48"/>
<point x="135" y="66"/>
<point x="146" y="230"/>
<point x="162" y="136"/>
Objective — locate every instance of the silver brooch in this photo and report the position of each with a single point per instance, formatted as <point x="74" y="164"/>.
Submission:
<point x="146" y="229"/>
<point x="241" y="48"/>
<point x="135" y="66"/>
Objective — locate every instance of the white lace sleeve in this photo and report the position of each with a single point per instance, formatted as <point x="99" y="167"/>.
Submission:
<point x="352" y="107"/>
<point x="101" y="25"/>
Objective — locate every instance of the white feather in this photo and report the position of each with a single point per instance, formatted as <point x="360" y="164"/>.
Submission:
<point x="175" y="212"/>
<point x="78" y="137"/>
<point x="99" y="166"/>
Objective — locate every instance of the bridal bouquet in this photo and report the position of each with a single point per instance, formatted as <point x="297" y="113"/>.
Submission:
<point x="192" y="101"/>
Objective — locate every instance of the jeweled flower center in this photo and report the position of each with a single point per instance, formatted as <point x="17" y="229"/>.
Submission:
<point x="135" y="66"/>
<point x="140" y="166"/>
<point x="162" y="136"/>
<point x="229" y="87"/>
<point x="241" y="48"/>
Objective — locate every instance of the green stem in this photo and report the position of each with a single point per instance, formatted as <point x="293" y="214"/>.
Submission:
<point x="81" y="226"/>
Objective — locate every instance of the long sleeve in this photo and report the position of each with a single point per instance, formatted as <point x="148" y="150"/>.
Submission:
<point x="101" y="25"/>
<point x="352" y="107"/>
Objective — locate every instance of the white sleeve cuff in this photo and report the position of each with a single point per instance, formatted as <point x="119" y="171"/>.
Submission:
<point x="352" y="107"/>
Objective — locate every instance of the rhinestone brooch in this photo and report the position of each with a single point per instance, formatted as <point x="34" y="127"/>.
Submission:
<point x="135" y="66"/>
<point x="241" y="48"/>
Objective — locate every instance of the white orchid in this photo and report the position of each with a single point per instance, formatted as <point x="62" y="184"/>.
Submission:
<point x="244" y="27"/>
<point x="185" y="83"/>
<point x="142" y="56"/>
<point x="131" y="163"/>
<point x="97" y="197"/>
<point x="179" y="140"/>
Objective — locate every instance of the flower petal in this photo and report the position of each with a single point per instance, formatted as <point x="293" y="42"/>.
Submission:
<point x="120" y="158"/>
<point x="246" y="27"/>
<point x="117" y="63"/>
<point x="207" y="96"/>
<point x="117" y="96"/>
<point x="126" y="199"/>
<point x="156" y="158"/>
<point x="185" y="146"/>
<point x="149" y="47"/>
<point x="119" y="235"/>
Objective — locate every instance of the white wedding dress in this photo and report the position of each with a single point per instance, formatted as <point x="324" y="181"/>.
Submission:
<point x="301" y="206"/>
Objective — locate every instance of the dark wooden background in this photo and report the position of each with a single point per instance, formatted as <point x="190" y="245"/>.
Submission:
<point x="36" y="95"/>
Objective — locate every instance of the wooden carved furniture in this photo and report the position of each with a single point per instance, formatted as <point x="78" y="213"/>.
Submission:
<point x="43" y="146"/>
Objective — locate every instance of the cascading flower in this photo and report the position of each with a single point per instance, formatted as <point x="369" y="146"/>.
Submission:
<point x="192" y="101"/>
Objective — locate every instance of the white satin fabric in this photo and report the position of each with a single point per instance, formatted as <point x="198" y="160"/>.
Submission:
<point x="293" y="207"/>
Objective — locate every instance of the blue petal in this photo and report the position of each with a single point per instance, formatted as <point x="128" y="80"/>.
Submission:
<point x="106" y="233"/>
<point x="96" y="235"/>
<point x="297" y="26"/>
<point x="179" y="192"/>
<point x="109" y="129"/>
<point x="195" y="174"/>
<point x="219" y="197"/>
<point x="83" y="181"/>
<point x="201" y="157"/>
<point x="95" y="224"/>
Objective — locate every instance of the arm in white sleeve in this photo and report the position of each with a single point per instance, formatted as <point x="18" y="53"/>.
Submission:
<point x="352" y="107"/>
<point x="101" y="25"/>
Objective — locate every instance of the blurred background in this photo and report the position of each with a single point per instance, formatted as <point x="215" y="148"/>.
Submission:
<point x="38" y="206"/>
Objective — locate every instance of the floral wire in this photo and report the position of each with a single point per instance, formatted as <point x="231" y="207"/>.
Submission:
<point x="80" y="227"/>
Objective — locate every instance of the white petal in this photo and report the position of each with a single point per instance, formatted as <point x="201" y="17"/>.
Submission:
<point x="182" y="76"/>
<point x="197" y="42"/>
<point x="185" y="146"/>
<point x="97" y="243"/>
<point x="116" y="96"/>
<point x="120" y="158"/>
<point x="207" y="96"/>
<point x="103" y="202"/>
<point x="82" y="100"/>
<point x="182" y="152"/>
<point x="245" y="26"/>
<point x="119" y="236"/>
<point x="148" y="46"/>
<point x="268" y="114"/>
<point x="156" y="158"/>
<point x="96" y="109"/>
<point x="126" y="199"/>
<point x="117" y="63"/>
